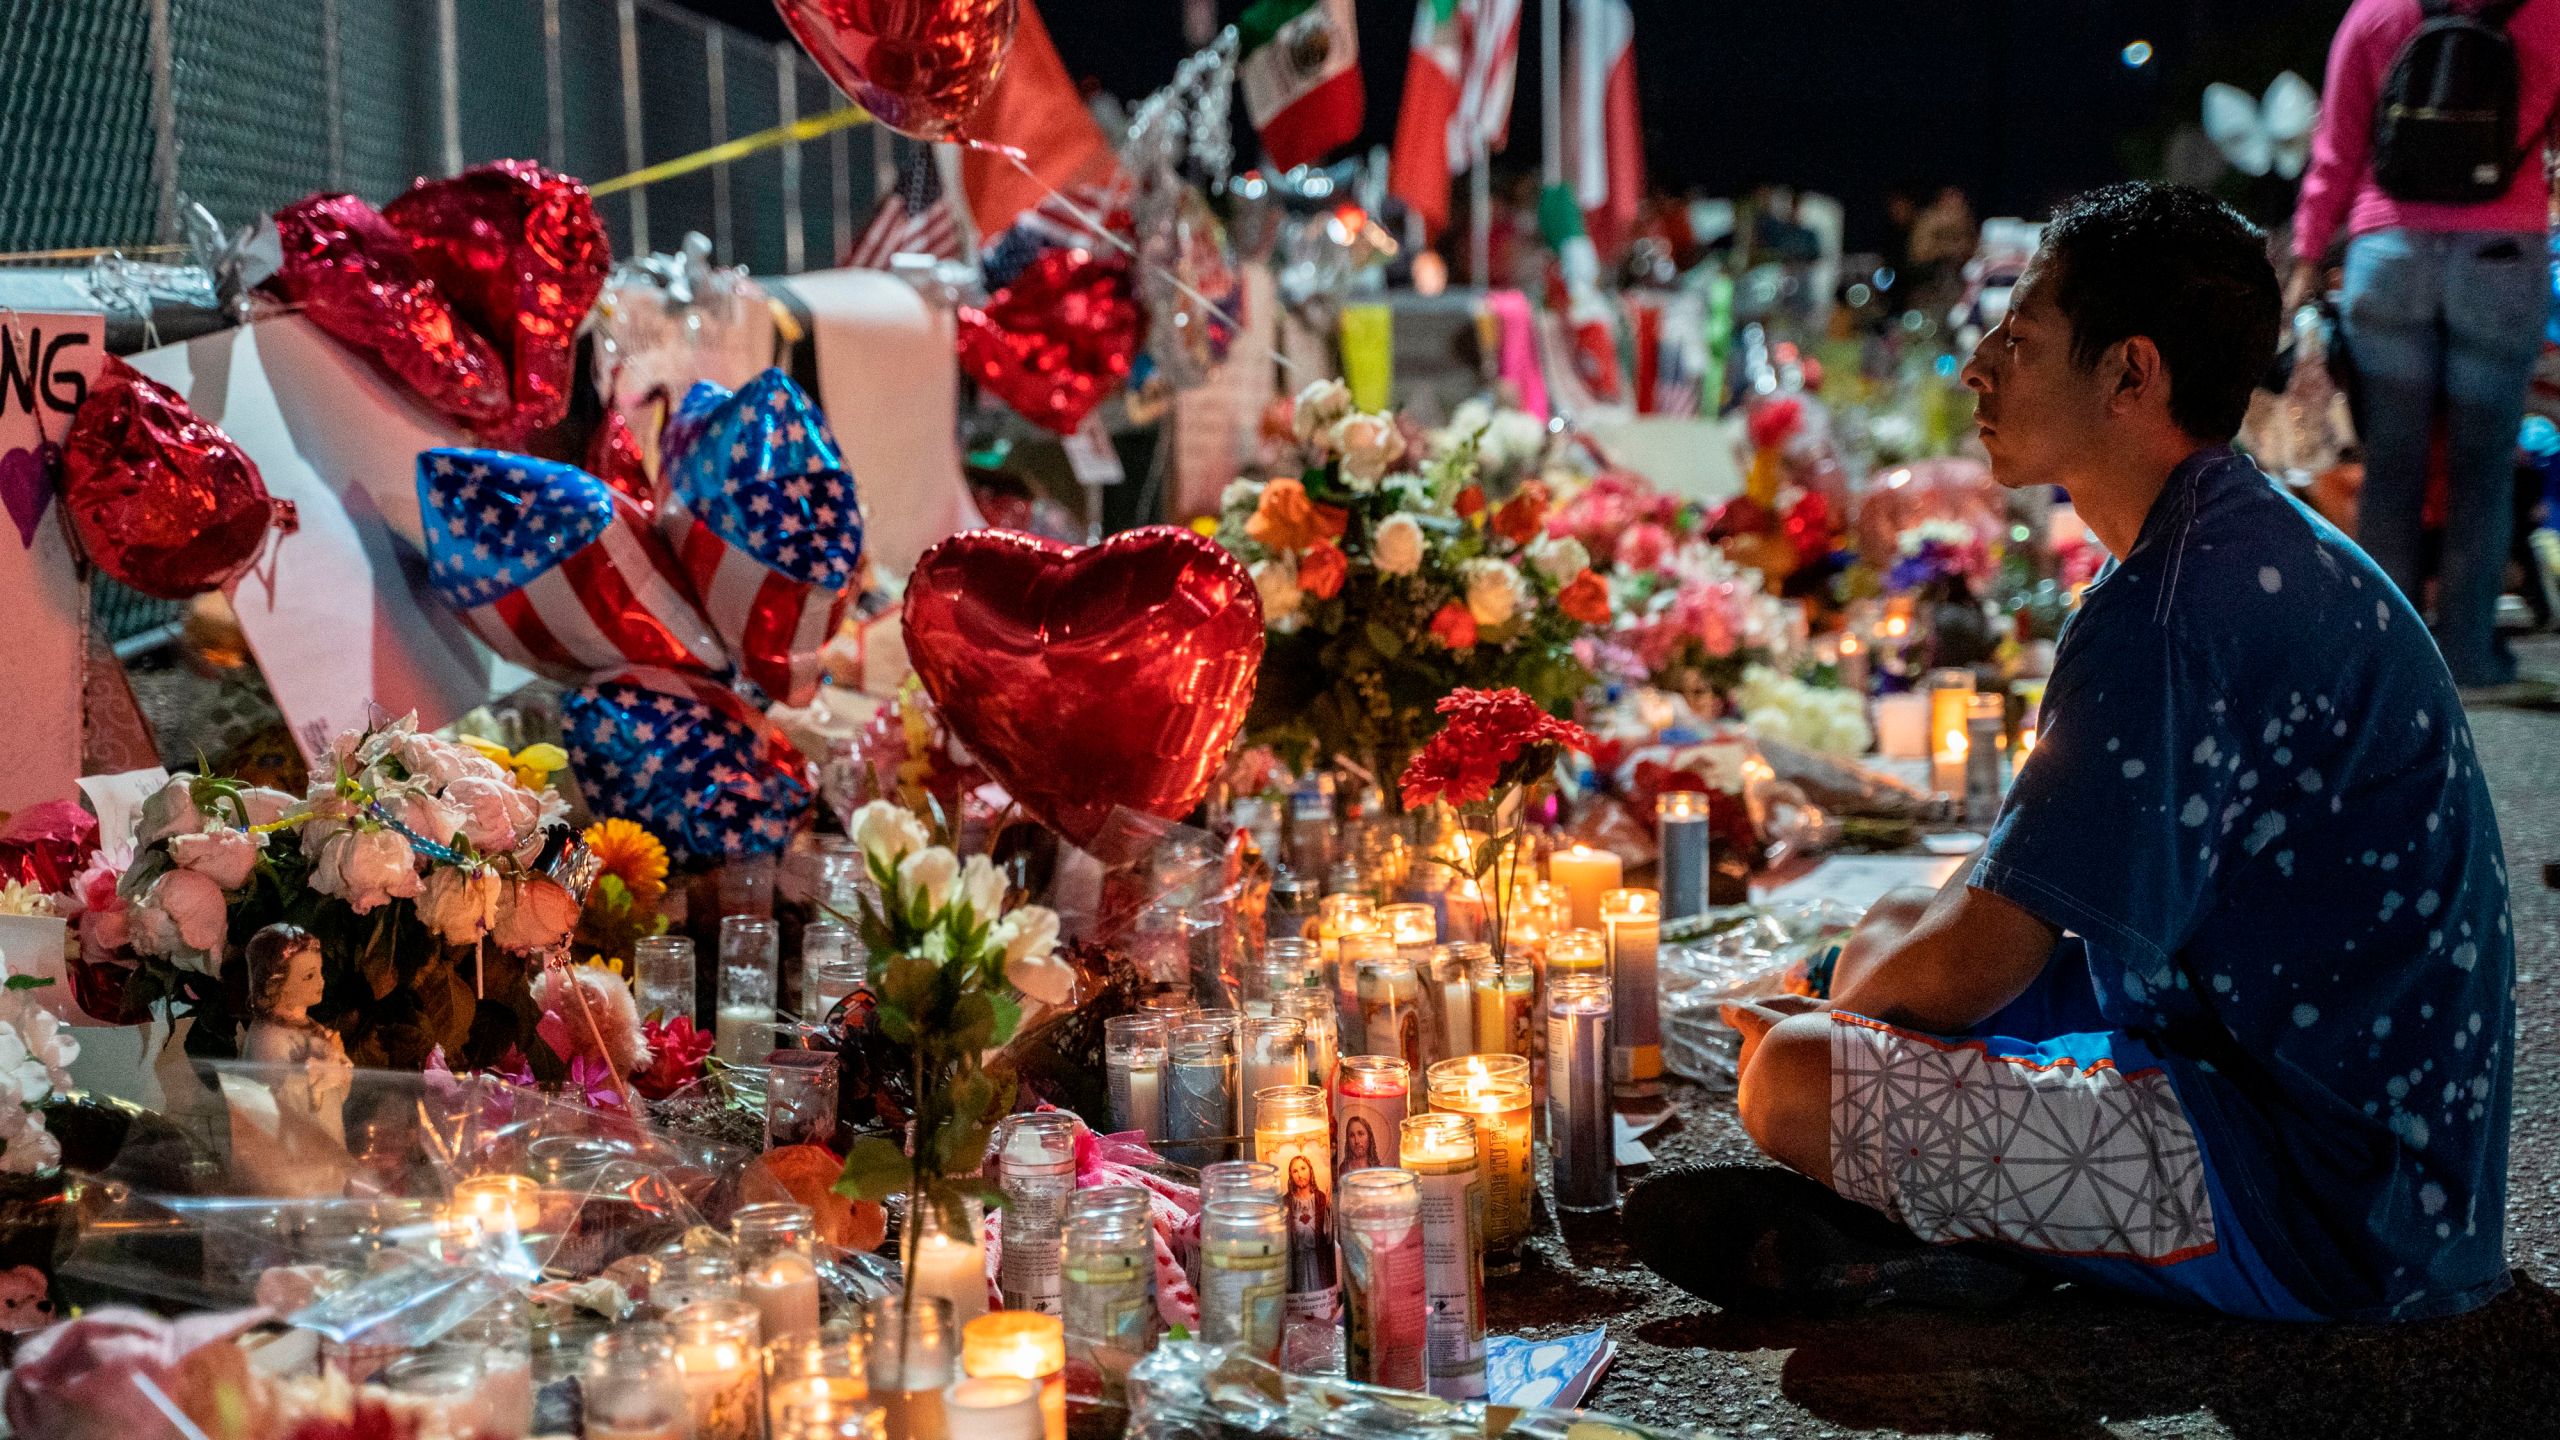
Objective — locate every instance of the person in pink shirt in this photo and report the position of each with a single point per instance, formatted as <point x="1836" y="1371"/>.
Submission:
<point x="2443" y="313"/>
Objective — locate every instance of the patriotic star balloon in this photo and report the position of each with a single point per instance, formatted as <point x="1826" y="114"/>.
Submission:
<point x="553" y="569"/>
<point x="687" y="757"/>
<point x="762" y="515"/>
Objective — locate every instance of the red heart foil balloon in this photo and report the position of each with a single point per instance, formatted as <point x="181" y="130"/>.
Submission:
<point x="161" y="499"/>
<point x="351" y="273"/>
<point x="1088" y="678"/>
<point x="1058" y="341"/>
<point x="920" y="69"/>
<point x="519" y="253"/>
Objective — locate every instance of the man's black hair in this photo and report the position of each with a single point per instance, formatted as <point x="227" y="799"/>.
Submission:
<point x="2181" y="267"/>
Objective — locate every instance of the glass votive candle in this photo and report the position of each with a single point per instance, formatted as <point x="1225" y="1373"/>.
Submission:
<point x="498" y="1338"/>
<point x="1505" y="990"/>
<point x="1389" y="991"/>
<point x="777" y="1249"/>
<point x="1341" y="915"/>
<point x="1372" y="1094"/>
<point x="1244" y="1275"/>
<point x="1579" y="1144"/>
<point x="631" y="1388"/>
<point x="496" y="1205"/>
<point x="800" y="1099"/>
<point x="662" y="975"/>
<point x="1239" y="1180"/>
<point x="1200" y="1098"/>
<point x="1440" y="1153"/>
<point x="1448" y="1000"/>
<point x="1110" y="1275"/>
<point x="830" y="968"/>
<point x="1576" y="952"/>
<point x="1494" y="1089"/>
<point x="721" y="1361"/>
<point x="994" y="1407"/>
<point x="750" y="973"/>
<point x="1036" y="1166"/>
<point x="1313" y="1010"/>
<point x="692" y="1277"/>
<point x="1272" y="1050"/>
<point x="1019" y="1345"/>
<point x="948" y="1262"/>
<point x="813" y="1379"/>
<point x="1133" y="1061"/>
<point x="908" y="1356"/>
<point x="444" y="1386"/>
<point x="1378" y="1215"/>
<point x="1414" y="928"/>
<point x="1631" y="921"/>
<point x="1289" y="1134"/>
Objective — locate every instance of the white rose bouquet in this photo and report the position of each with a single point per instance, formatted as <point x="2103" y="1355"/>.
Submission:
<point x="950" y="968"/>
<point x="413" y="858"/>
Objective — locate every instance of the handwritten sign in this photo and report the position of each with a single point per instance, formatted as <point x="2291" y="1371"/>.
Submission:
<point x="47" y="362"/>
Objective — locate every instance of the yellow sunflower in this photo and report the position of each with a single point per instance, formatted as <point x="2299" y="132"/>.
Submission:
<point x="632" y="855"/>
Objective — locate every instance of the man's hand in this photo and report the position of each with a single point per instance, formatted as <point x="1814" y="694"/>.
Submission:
<point x="2302" y="285"/>
<point x="1753" y="1019"/>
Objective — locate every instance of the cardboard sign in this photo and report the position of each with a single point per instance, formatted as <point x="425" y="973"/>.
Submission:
<point x="47" y="363"/>
<point x="1091" y="456"/>
<point x="341" y="620"/>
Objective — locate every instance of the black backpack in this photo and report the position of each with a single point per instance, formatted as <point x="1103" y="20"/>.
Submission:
<point x="2444" y="128"/>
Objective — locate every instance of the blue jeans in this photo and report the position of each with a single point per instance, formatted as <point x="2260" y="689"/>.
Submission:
<point x="2450" y="324"/>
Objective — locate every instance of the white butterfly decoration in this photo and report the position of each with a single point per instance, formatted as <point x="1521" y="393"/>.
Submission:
<point x="2258" y="135"/>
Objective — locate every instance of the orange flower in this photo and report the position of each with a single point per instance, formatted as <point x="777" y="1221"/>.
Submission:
<point x="1454" y="626"/>
<point x="1585" y="598"/>
<point x="1287" y="520"/>
<point x="624" y="850"/>
<point x="1322" y="570"/>
<point x="1470" y="502"/>
<point x="1523" y="515"/>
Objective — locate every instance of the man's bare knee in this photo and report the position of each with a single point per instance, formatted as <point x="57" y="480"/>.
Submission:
<point x="1785" y="1095"/>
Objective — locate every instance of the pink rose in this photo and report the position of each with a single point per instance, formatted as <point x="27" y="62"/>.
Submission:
<point x="264" y="806"/>
<point x="430" y="817"/>
<point x="441" y="762"/>
<point x="170" y="810"/>
<point x="366" y="868"/>
<point x="496" y="815"/>
<point x="182" y="919"/>
<point x="223" y="855"/>
<point x="534" y="914"/>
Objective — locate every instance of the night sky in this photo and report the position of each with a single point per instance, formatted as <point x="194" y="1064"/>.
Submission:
<point x="2019" y="102"/>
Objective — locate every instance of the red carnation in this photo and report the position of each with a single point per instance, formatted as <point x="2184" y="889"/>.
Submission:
<point x="1454" y="627"/>
<point x="678" y="1049"/>
<point x="1492" y="736"/>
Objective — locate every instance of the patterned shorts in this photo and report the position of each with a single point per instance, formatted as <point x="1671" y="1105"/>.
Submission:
<point x="2045" y="1145"/>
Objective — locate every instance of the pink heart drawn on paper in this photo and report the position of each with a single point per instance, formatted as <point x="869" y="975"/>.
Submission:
<point x="26" y="487"/>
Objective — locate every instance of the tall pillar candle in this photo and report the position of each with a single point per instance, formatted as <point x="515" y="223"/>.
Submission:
<point x="1378" y="1216"/>
<point x="1494" y="1091"/>
<point x="750" y="979"/>
<point x="1585" y="875"/>
<point x="1680" y="821"/>
<point x="1110" y="1272"/>
<point x="1344" y="954"/>
<point x="1440" y="1151"/>
<point x="1271" y="1050"/>
<point x="1448" y="1001"/>
<point x="1372" y="1095"/>
<point x="1390" y="993"/>
<point x="1244" y="1275"/>
<point x="1315" y="1017"/>
<point x="1036" y="1166"/>
<point x="1578" y="1138"/>
<point x="1631" y="920"/>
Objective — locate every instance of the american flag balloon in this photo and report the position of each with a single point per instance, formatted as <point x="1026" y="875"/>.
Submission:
<point x="687" y="757"/>
<point x="762" y="516"/>
<point x="553" y="569"/>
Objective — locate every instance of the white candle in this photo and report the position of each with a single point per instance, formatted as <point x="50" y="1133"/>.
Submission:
<point x="716" y="1352"/>
<point x="784" y="1290"/>
<point x="993" y="1407"/>
<point x="953" y="1270"/>
<point x="1585" y="875"/>
<point x="744" y="1034"/>
<point x="1632" y="921"/>
<point x="1902" y="726"/>
<point x="1146" y="1099"/>
<point x="506" y="1392"/>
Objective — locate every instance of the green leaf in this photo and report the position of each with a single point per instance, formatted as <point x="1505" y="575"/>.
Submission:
<point x="874" y="1169"/>
<point x="27" y="982"/>
<point x="896" y="1024"/>
<point x="1008" y="1016"/>
<point x="973" y="1023"/>
<point x="909" y="983"/>
<point x="1385" y="641"/>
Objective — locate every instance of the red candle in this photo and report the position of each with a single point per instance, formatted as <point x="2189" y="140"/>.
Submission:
<point x="1371" y="1096"/>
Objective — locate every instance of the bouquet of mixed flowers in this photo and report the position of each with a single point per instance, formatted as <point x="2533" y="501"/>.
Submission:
<point x="415" y="860"/>
<point x="1935" y="554"/>
<point x="1691" y="622"/>
<point x="1391" y="575"/>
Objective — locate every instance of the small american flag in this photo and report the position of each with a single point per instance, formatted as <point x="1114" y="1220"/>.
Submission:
<point x="547" y="565"/>
<point x="763" y="520"/>
<point x="915" y="218"/>
<point x="1055" y="223"/>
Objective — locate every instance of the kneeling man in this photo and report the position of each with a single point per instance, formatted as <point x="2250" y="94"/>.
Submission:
<point x="2221" y="1013"/>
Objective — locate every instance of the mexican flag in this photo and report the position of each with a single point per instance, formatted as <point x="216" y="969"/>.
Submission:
<point x="1300" y="67"/>
<point x="1603" y="139"/>
<point x="1457" y="99"/>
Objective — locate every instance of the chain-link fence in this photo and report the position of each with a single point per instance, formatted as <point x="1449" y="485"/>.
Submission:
<point x="114" y="113"/>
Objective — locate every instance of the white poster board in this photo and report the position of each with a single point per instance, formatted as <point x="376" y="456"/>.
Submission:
<point x="47" y="363"/>
<point x="341" y="620"/>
